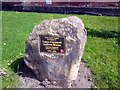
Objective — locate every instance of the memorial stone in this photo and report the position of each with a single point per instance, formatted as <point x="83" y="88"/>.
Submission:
<point x="54" y="49"/>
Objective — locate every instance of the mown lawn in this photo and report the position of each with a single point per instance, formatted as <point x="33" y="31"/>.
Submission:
<point x="101" y="52"/>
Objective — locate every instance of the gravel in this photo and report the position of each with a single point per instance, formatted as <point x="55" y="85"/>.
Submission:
<point x="28" y="79"/>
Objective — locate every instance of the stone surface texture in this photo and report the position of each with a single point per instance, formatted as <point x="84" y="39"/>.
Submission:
<point x="59" y="68"/>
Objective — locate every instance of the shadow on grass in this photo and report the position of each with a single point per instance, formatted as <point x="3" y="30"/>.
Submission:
<point x="106" y="34"/>
<point x="19" y="67"/>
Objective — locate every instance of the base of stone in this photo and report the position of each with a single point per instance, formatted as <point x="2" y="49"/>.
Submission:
<point x="28" y="79"/>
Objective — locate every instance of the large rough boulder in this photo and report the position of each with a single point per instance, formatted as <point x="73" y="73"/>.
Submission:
<point x="54" y="49"/>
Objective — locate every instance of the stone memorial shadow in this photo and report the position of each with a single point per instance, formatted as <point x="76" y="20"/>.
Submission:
<point x="19" y="67"/>
<point x="106" y="34"/>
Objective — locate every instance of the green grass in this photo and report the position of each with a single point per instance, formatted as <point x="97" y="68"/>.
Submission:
<point x="0" y="45"/>
<point x="100" y="52"/>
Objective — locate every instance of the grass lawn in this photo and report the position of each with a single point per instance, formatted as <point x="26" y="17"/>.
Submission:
<point x="100" y="53"/>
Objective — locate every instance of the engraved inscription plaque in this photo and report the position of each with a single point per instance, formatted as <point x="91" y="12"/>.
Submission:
<point x="52" y="44"/>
